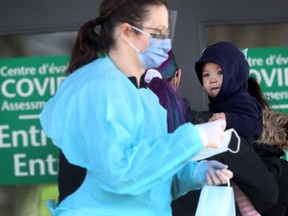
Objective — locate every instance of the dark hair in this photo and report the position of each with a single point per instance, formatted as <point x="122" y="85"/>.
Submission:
<point x="170" y="100"/>
<point x="254" y="90"/>
<point x="90" y="43"/>
<point x="168" y="96"/>
<point x="169" y="67"/>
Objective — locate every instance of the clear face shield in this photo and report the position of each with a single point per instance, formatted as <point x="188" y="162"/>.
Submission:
<point x="172" y="23"/>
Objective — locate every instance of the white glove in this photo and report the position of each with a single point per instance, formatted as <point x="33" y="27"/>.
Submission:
<point x="212" y="133"/>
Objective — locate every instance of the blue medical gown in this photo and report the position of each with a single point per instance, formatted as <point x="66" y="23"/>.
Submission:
<point x="103" y="123"/>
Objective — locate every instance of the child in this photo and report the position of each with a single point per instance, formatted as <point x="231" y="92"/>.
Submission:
<point x="246" y="165"/>
<point x="223" y="72"/>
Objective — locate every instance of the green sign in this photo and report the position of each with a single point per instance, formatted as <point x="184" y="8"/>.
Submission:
<point x="270" y="67"/>
<point x="26" y="155"/>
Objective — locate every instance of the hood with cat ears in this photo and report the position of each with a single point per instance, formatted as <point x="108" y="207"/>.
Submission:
<point x="233" y="63"/>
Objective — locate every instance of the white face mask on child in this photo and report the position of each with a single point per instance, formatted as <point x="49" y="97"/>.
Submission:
<point x="209" y="152"/>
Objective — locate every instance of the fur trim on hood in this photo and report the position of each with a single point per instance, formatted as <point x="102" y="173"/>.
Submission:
<point x="275" y="129"/>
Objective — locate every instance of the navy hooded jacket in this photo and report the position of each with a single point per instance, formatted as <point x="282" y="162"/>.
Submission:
<point x="242" y="111"/>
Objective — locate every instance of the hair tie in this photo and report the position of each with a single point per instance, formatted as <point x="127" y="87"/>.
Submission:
<point x="150" y="74"/>
<point x="98" y="21"/>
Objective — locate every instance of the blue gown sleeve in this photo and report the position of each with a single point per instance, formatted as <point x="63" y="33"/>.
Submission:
<point x="118" y="133"/>
<point x="184" y="181"/>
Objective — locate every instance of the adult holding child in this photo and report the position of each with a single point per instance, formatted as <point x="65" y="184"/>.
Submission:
<point x="271" y="145"/>
<point x="223" y="71"/>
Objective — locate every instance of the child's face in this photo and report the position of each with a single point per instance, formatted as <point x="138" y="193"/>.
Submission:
<point x="212" y="78"/>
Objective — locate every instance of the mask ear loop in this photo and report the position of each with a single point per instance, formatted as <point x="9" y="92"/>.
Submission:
<point x="238" y="144"/>
<point x="228" y="182"/>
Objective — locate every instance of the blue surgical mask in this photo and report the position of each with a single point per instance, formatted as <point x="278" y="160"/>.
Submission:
<point x="155" y="54"/>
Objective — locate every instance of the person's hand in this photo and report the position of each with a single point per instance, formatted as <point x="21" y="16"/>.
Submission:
<point x="221" y="176"/>
<point x="212" y="132"/>
<point x="212" y="172"/>
<point x="217" y="116"/>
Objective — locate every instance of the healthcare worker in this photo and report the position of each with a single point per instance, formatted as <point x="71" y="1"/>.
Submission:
<point x="105" y="121"/>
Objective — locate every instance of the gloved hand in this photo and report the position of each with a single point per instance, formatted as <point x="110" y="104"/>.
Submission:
<point x="212" y="172"/>
<point x="212" y="133"/>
